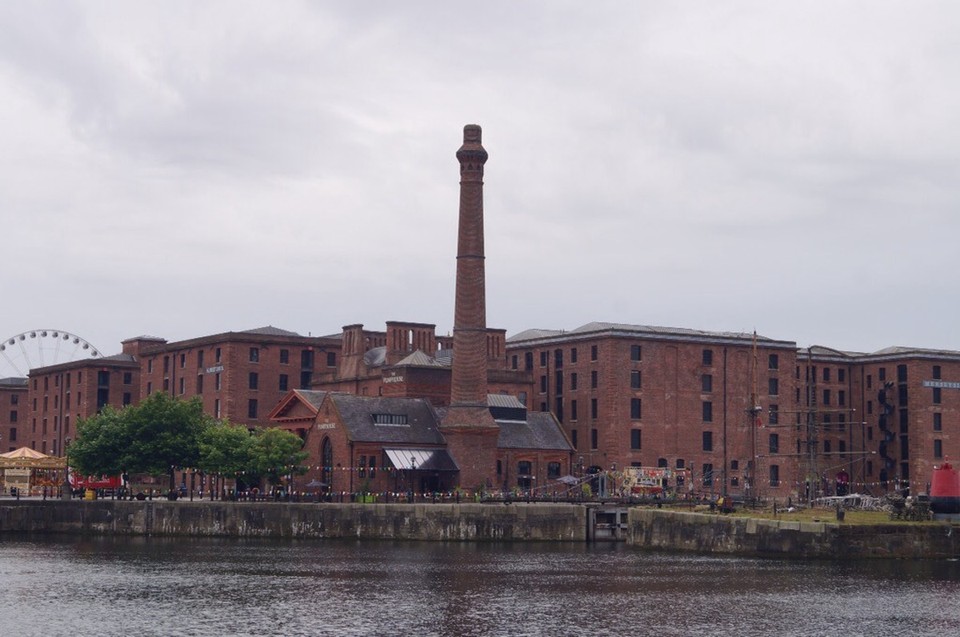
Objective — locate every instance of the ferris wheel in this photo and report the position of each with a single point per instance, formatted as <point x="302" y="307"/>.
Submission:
<point x="39" y="348"/>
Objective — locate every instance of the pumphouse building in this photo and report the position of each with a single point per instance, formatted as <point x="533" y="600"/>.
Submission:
<point x="419" y="408"/>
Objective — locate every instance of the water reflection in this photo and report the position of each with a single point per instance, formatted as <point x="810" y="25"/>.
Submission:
<point x="143" y="586"/>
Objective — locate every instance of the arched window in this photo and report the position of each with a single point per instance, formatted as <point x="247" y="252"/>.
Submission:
<point x="326" y="462"/>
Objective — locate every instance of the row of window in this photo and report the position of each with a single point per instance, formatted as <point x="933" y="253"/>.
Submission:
<point x="773" y="441"/>
<point x="707" y="407"/>
<point x="103" y="394"/>
<point x="574" y="383"/>
<point x="773" y="363"/>
<point x="56" y="424"/>
<point x="103" y="379"/>
<point x="525" y="471"/>
<point x="636" y="382"/>
<point x="253" y="382"/>
<point x="574" y="409"/>
<point x="773" y="384"/>
<point x="636" y="410"/>
<point x="935" y="372"/>
<point x="545" y="357"/>
<point x="636" y="355"/>
<point x="594" y="438"/>
<point x="810" y="374"/>
<point x="253" y="356"/>
<point x="827" y="397"/>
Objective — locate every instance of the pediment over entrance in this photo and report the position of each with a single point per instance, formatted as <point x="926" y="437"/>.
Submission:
<point x="298" y="405"/>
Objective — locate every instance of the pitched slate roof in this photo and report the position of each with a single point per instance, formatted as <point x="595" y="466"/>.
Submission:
<point x="534" y="333"/>
<point x="820" y="350"/>
<point x="504" y="400"/>
<point x="124" y="358"/>
<point x="626" y="329"/>
<point x="523" y="429"/>
<point x="311" y="396"/>
<point x="886" y="354"/>
<point x="899" y="350"/>
<point x="422" y="426"/>
<point x="506" y="407"/>
<point x="269" y="330"/>
<point x="419" y="359"/>
<point x="540" y="431"/>
<point x="145" y="337"/>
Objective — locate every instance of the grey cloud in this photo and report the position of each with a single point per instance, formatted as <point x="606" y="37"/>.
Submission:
<point x="718" y="166"/>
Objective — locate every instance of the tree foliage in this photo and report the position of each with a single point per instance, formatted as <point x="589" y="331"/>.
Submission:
<point x="162" y="433"/>
<point x="276" y="453"/>
<point x="152" y="437"/>
<point x="101" y="444"/>
<point x="225" y="449"/>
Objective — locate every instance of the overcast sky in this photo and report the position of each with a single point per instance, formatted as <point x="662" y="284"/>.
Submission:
<point x="181" y="169"/>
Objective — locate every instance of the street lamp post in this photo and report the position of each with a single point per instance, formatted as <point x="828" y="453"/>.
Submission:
<point x="413" y="470"/>
<point x="580" y="480"/>
<point x="65" y="492"/>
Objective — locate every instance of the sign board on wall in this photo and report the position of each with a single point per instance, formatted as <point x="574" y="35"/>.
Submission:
<point x="944" y="384"/>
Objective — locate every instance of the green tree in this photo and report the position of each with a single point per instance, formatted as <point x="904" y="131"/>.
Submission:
<point x="154" y="437"/>
<point x="101" y="444"/>
<point x="276" y="453"/>
<point x="225" y="449"/>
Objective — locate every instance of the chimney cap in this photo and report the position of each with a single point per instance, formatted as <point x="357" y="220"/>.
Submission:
<point x="472" y="151"/>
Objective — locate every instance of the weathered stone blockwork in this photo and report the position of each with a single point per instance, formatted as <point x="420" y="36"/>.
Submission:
<point x="459" y="522"/>
<point x="705" y="533"/>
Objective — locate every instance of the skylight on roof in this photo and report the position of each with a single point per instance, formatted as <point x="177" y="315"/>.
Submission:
<point x="390" y="420"/>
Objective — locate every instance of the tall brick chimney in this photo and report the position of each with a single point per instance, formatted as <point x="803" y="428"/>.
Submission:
<point x="468" y="427"/>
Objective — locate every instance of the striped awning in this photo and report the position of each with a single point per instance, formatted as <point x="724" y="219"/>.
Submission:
<point x="421" y="459"/>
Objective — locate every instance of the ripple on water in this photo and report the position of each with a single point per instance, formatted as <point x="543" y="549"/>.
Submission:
<point x="141" y="586"/>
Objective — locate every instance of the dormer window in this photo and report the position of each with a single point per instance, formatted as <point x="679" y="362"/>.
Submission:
<point x="390" y="419"/>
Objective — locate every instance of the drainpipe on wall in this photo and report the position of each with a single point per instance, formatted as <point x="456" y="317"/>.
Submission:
<point x="725" y="461"/>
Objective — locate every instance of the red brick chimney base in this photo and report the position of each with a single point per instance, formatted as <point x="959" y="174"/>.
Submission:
<point x="473" y="446"/>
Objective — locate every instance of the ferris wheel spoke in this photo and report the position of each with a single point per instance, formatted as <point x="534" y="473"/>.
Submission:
<point x="23" y="351"/>
<point x="12" y="364"/>
<point x="41" y="348"/>
<point x="56" y="349"/>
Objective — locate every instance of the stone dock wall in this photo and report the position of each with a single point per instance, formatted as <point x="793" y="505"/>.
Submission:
<point x="651" y="529"/>
<point x="459" y="522"/>
<point x="719" y="534"/>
